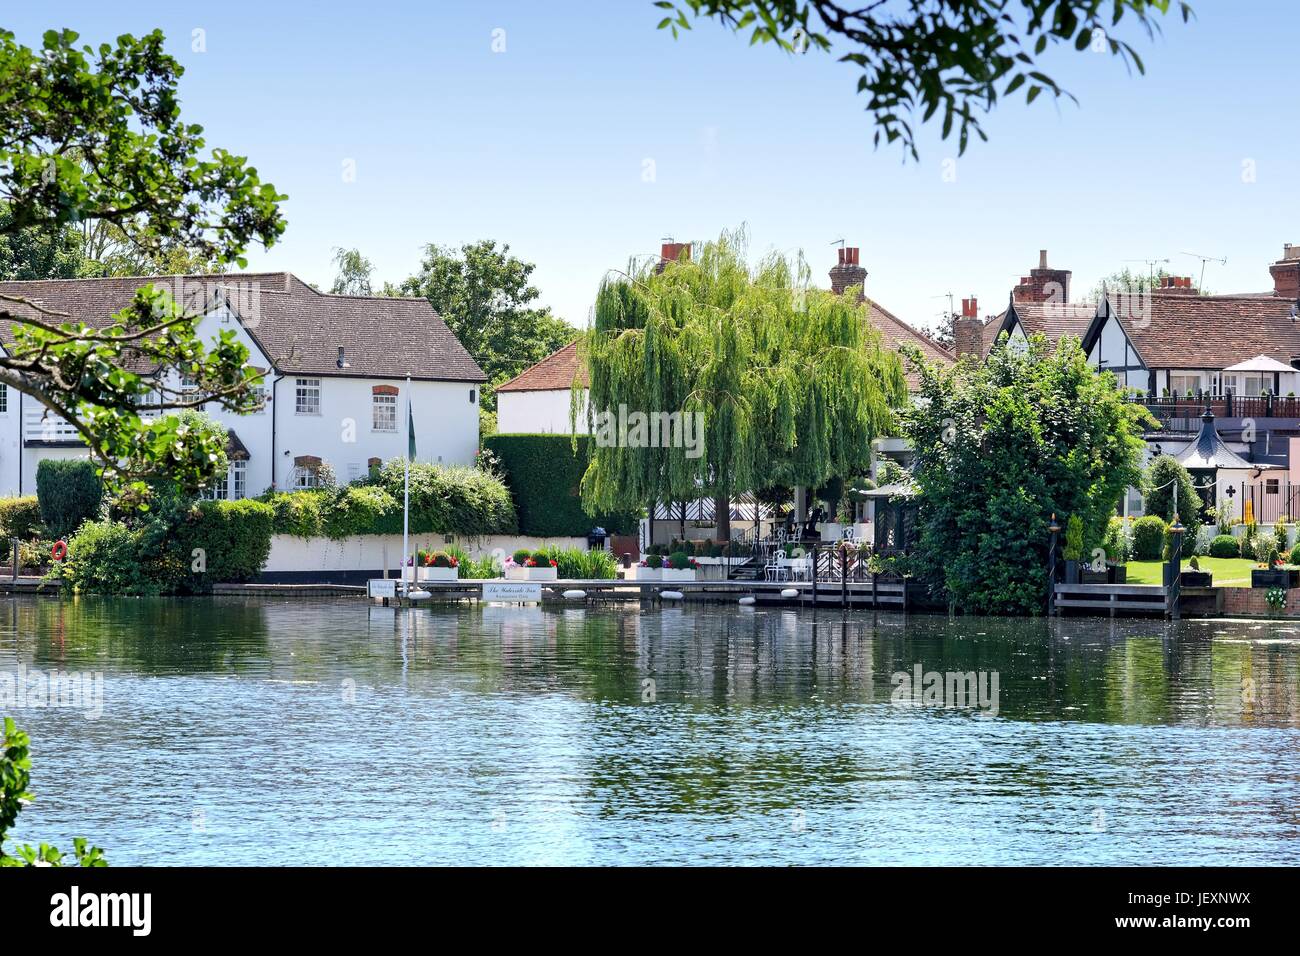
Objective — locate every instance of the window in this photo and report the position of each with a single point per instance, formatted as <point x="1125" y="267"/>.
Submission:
<point x="188" y="384"/>
<point x="4" y="399"/>
<point x="306" y="472"/>
<point x="1185" y="384"/>
<point x="232" y="485"/>
<point x="1270" y="486"/>
<point x="471" y="396"/>
<point x="383" y="413"/>
<point x="307" y="396"/>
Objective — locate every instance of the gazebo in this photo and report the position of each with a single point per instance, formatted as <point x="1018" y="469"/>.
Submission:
<point x="1209" y="460"/>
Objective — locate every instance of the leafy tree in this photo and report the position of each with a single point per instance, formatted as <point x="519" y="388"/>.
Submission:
<point x="1162" y="477"/>
<point x="791" y="383"/>
<point x="96" y="135"/>
<point x="51" y="253"/>
<point x="353" y="277"/>
<point x="1128" y="280"/>
<point x="948" y="57"/>
<point x="483" y="294"/>
<point x="1003" y="445"/>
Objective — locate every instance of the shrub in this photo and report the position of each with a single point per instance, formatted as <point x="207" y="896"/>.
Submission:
<point x="1280" y="535"/>
<point x="599" y="564"/>
<point x="438" y="559"/>
<point x="679" y="561"/>
<point x="447" y="499"/>
<point x="105" y="557"/>
<point x="1116" y="543"/>
<point x="1149" y="537"/>
<point x="357" y="509"/>
<point x="1225" y="546"/>
<point x="543" y="473"/>
<point x="1166" y="471"/>
<point x="1073" y="549"/>
<point x="20" y="518"/>
<point x="521" y="556"/>
<point x="233" y="538"/>
<point x="297" y="513"/>
<point x="69" y="492"/>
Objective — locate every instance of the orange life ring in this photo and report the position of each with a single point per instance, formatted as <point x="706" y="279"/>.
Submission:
<point x="59" y="551"/>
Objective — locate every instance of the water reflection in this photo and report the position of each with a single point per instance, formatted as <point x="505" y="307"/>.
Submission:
<point x="341" y="732"/>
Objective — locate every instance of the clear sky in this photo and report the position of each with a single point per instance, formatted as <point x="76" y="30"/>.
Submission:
<point x="544" y="145"/>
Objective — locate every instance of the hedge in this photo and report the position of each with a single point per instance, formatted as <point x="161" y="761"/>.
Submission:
<point x="20" y="518"/>
<point x="184" y="551"/>
<point x="445" y="499"/>
<point x="1149" y="538"/>
<point x="69" y="492"/>
<point x="543" y="473"/>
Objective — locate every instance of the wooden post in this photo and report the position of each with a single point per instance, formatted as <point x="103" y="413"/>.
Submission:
<point x="844" y="576"/>
<point x="814" y="575"/>
<point x="1173" y="570"/>
<point x="1055" y="529"/>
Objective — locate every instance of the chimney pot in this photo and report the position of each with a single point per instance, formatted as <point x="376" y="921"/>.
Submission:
<point x="1042" y="258"/>
<point x="841" y="251"/>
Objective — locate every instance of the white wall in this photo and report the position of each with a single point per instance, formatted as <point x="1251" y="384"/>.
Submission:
<point x="366" y="552"/>
<point x="11" y="445"/>
<point x="541" y="412"/>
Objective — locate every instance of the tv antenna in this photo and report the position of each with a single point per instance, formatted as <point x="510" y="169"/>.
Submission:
<point x="948" y="296"/>
<point x="1151" y="265"/>
<point x="1221" y="260"/>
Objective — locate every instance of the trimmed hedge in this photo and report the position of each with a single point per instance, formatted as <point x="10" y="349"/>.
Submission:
<point x="544" y="473"/>
<point x="185" y="550"/>
<point x="445" y="499"/>
<point x="69" y="492"/>
<point x="1225" y="546"/>
<point x="1149" y="538"/>
<point x="20" y="518"/>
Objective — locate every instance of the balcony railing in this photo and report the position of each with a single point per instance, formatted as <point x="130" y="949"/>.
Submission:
<point x="1223" y="406"/>
<point x="42" y="426"/>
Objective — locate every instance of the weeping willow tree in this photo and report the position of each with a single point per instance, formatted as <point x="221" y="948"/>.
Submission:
<point x="709" y="378"/>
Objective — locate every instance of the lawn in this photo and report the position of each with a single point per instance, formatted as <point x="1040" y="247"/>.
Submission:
<point x="1228" y="572"/>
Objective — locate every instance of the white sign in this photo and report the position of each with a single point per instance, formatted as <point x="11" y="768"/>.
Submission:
<point x="382" y="587"/>
<point x="512" y="592"/>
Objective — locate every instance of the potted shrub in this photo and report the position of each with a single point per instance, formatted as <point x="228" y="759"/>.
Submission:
<point x="650" y="568"/>
<point x="525" y="565"/>
<point x="1073" y="549"/>
<point x="679" y="566"/>
<point x="1194" y="577"/>
<point x="436" y="566"/>
<point x="1271" y="573"/>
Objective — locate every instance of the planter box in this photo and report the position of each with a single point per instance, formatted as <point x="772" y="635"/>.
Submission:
<point x="664" y="574"/>
<point x="1071" y="572"/>
<point x="1196" y="579"/>
<point x="1271" y="578"/>
<point x="532" y="574"/>
<point x="430" y="574"/>
<point x="1114" y="574"/>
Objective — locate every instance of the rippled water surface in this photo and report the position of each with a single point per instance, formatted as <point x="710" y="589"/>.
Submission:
<point x="319" y="733"/>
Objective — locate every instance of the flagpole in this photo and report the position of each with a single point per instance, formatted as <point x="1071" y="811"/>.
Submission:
<point x="406" y="490"/>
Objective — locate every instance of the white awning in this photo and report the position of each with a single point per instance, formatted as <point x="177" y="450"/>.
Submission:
<point x="1260" y="363"/>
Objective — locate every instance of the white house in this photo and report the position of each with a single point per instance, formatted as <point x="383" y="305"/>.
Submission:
<point x="536" y="401"/>
<point x="335" y="384"/>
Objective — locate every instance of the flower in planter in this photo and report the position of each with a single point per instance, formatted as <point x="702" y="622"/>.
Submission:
<point x="1276" y="598"/>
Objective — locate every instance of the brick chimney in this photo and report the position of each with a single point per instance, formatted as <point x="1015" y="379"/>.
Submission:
<point x="848" y="273"/>
<point x="1286" y="273"/>
<point x="968" y="330"/>
<point x="1179" y="285"/>
<point x="672" y="252"/>
<point x="1044" y="284"/>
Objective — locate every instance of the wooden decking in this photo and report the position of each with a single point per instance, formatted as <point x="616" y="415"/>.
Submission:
<point x="1112" y="599"/>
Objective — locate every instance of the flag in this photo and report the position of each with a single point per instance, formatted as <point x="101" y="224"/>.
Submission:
<point x="410" y="432"/>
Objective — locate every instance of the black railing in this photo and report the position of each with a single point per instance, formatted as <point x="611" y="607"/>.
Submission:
<point x="1222" y="406"/>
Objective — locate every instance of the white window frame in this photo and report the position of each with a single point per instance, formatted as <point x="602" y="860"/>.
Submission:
<point x="303" y="389"/>
<point x="380" y="402"/>
<point x="238" y="480"/>
<point x="305" y="477"/>
<point x="4" y="399"/>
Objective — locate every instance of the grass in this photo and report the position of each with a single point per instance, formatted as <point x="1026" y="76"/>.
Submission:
<point x="1228" y="572"/>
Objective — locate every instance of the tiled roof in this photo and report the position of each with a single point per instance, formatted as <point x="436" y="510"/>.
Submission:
<point x="1213" y="331"/>
<point x="556" y="372"/>
<point x="300" y="329"/>
<point x="1055" y="319"/>
<point x="896" y="333"/>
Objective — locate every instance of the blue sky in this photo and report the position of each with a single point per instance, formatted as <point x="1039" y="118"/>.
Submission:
<point x="544" y="145"/>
